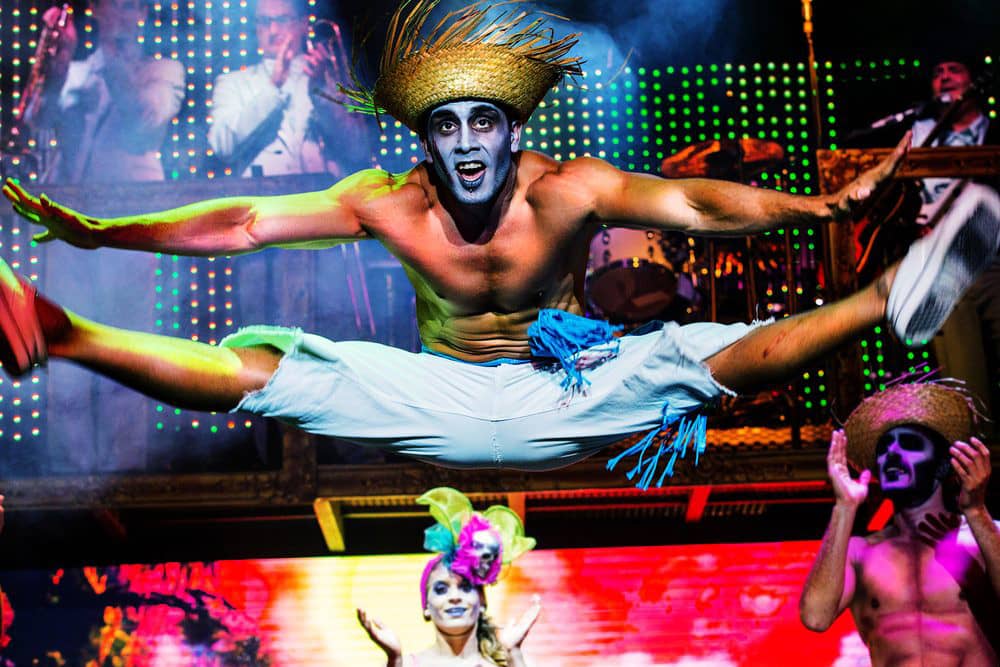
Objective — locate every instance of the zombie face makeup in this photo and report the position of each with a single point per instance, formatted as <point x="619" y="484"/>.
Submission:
<point x="453" y="602"/>
<point x="470" y="145"/>
<point x="907" y="465"/>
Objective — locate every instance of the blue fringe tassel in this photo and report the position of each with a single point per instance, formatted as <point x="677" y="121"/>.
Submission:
<point x="673" y="439"/>
<point x="561" y="335"/>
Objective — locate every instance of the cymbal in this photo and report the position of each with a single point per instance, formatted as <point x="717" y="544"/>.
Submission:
<point x="726" y="158"/>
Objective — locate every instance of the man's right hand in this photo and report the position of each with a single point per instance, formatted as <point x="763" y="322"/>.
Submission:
<point x="282" y="63"/>
<point x="846" y="489"/>
<point x="59" y="221"/>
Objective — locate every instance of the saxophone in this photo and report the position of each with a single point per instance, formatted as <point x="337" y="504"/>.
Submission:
<point x="26" y="154"/>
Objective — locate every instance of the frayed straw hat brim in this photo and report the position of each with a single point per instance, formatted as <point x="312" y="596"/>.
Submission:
<point x="497" y="53"/>
<point x="467" y="71"/>
<point x="942" y="409"/>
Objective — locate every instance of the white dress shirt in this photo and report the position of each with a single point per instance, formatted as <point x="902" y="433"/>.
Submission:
<point x="255" y="123"/>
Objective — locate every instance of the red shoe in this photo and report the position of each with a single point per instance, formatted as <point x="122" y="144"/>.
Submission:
<point x="22" y="342"/>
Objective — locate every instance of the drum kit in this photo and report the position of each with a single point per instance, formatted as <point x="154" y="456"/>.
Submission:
<point x="635" y="275"/>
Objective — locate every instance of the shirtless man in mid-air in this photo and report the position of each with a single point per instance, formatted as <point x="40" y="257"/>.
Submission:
<point x="495" y="242"/>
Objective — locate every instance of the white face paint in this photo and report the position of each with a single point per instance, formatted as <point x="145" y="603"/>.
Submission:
<point x="487" y="548"/>
<point x="470" y="145"/>
<point x="906" y="463"/>
<point x="453" y="603"/>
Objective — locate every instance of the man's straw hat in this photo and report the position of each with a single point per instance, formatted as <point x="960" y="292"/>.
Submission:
<point x="941" y="408"/>
<point x="508" y="60"/>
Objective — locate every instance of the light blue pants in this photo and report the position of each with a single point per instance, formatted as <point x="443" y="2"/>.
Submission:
<point x="462" y="415"/>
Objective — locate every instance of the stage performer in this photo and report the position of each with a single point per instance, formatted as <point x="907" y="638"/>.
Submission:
<point x="495" y="242"/>
<point x="925" y="589"/>
<point x="977" y="317"/>
<point x="472" y="548"/>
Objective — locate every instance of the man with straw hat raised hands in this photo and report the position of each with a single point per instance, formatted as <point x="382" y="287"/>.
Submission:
<point x="924" y="590"/>
<point x="495" y="242"/>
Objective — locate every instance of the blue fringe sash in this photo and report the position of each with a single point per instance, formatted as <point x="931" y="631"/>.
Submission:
<point x="562" y="335"/>
<point x="671" y="439"/>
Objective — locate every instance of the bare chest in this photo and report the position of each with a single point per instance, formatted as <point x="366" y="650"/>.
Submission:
<point x="515" y="264"/>
<point x="904" y="575"/>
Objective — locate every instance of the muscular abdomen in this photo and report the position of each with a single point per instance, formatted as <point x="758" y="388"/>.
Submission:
<point x="488" y="334"/>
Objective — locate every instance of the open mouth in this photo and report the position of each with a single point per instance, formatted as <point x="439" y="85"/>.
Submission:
<point x="454" y="612"/>
<point x="893" y="473"/>
<point x="471" y="173"/>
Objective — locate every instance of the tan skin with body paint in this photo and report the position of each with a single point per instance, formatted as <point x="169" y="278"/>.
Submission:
<point x="482" y="263"/>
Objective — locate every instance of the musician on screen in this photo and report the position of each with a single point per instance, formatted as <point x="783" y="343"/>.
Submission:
<point x="110" y="111"/>
<point x="279" y="116"/>
<point x="957" y="117"/>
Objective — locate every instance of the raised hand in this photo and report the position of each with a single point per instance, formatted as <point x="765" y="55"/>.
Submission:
<point x="59" y="221"/>
<point x="283" y="62"/>
<point x="845" y="488"/>
<point x="852" y="196"/>
<point x="319" y="68"/>
<point x="971" y="462"/>
<point x="512" y="636"/>
<point x="383" y="637"/>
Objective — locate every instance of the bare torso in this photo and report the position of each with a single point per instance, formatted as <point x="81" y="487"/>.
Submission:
<point x="914" y="605"/>
<point x="432" y="658"/>
<point x="478" y="290"/>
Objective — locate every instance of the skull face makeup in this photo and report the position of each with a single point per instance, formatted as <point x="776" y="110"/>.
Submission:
<point x="907" y="465"/>
<point x="478" y="552"/>
<point x="486" y="547"/>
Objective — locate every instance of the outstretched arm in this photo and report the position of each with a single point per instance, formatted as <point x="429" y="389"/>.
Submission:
<point x="971" y="462"/>
<point x="712" y="207"/>
<point x="829" y="587"/>
<point x="220" y="226"/>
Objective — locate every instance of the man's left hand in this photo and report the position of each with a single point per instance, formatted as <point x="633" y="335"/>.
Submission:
<point x="971" y="462"/>
<point x="852" y="196"/>
<point x="319" y="67"/>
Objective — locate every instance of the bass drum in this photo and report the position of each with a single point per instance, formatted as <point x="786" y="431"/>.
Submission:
<point x="629" y="278"/>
